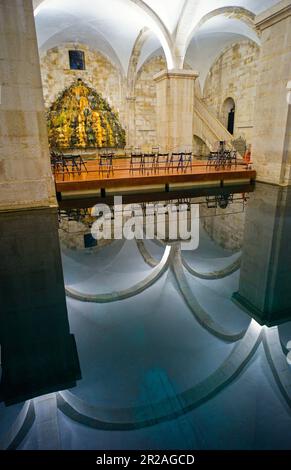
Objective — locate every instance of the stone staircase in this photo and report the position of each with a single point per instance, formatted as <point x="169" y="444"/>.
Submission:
<point x="209" y="129"/>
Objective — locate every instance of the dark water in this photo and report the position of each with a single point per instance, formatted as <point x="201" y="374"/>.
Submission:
<point x="153" y="347"/>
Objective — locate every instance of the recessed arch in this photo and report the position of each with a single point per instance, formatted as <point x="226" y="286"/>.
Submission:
<point x="95" y="41"/>
<point x="157" y="53"/>
<point x="185" y="35"/>
<point x="160" y="29"/>
<point x="134" y="59"/>
<point x="228" y="114"/>
<point x="230" y="12"/>
<point x="200" y="147"/>
<point x="222" y="52"/>
<point x="207" y="57"/>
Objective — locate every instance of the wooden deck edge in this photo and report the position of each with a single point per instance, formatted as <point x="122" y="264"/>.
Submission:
<point x="155" y="180"/>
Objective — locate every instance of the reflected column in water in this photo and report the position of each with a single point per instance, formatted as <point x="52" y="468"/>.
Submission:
<point x="265" y="277"/>
<point x="38" y="352"/>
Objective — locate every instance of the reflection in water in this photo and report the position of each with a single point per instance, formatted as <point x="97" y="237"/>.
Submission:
<point x="152" y="215"/>
<point x="221" y="200"/>
<point x="164" y="351"/>
<point x="265" y="277"/>
<point x="38" y="351"/>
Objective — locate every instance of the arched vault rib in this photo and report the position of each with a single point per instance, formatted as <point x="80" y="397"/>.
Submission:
<point x="218" y="274"/>
<point x="205" y="320"/>
<point x="157" y="26"/>
<point x="134" y="58"/>
<point x="138" y="417"/>
<point x="20" y="427"/>
<point x="278" y="361"/>
<point x="155" y="274"/>
<point x="186" y="29"/>
<point x="160" y="29"/>
<point x="209" y="276"/>
<point x="147" y="257"/>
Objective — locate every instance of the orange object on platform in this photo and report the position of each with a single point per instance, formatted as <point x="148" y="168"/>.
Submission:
<point x="248" y="155"/>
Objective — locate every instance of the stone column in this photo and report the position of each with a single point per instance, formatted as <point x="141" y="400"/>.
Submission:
<point x="175" y="108"/>
<point x="26" y="179"/>
<point x="38" y="352"/>
<point x="271" y="142"/>
<point x="130" y="111"/>
<point x="265" y="277"/>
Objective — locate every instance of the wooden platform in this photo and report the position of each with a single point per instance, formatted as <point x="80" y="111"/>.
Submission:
<point x="122" y="180"/>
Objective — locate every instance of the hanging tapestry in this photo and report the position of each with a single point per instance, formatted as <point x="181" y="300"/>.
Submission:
<point x="81" y="118"/>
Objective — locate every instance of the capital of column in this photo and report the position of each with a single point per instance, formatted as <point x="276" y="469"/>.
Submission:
<point x="176" y="73"/>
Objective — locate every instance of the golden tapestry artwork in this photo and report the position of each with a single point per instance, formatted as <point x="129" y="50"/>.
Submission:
<point x="81" y="118"/>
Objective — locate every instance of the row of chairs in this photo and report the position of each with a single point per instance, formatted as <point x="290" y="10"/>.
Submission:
<point x="64" y="163"/>
<point x="142" y="162"/>
<point x="147" y="163"/>
<point x="106" y="163"/>
<point x="153" y="162"/>
<point x="222" y="159"/>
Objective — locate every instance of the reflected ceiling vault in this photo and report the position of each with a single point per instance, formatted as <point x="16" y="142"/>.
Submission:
<point x="246" y="343"/>
<point x="171" y="259"/>
<point x="244" y="339"/>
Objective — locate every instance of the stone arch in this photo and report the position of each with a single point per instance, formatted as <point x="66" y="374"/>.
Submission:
<point x="135" y="55"/>
<point x="145" y="109"/>
<point x="200" y="147"/>
<point x="228" y="110"/>
<point x="104" y="48"/>
<point x="158" y="27"/>
<point x="101" y="74"/>
<point x="241" y="87"/>
<point x="227" y="48"/>
<point x="185" y="32"/>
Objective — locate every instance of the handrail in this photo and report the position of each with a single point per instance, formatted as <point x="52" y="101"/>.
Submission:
<point x="212" y="116"/>
<point x="217" y="129"/>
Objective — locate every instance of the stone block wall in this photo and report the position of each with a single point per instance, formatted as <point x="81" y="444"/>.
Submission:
<point x="146" y="102"/>
<point x="234" y="75"/>
<point x="100" y="74"/>
<point x="272" y="149"/>
<point x="227" y="228"/>
<point x="26" y="179"/>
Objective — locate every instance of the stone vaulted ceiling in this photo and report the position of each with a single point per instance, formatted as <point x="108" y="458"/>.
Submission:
<point x="191" y="29"/>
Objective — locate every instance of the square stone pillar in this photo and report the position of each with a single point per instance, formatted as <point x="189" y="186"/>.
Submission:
<point x="130" y="112"/>
<point x="25" y="174"/>
<point x="265" y="276"/>
<point x="38" y="353"/>
<point x="272" y="123"/>
<point x="175" y="109"/>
